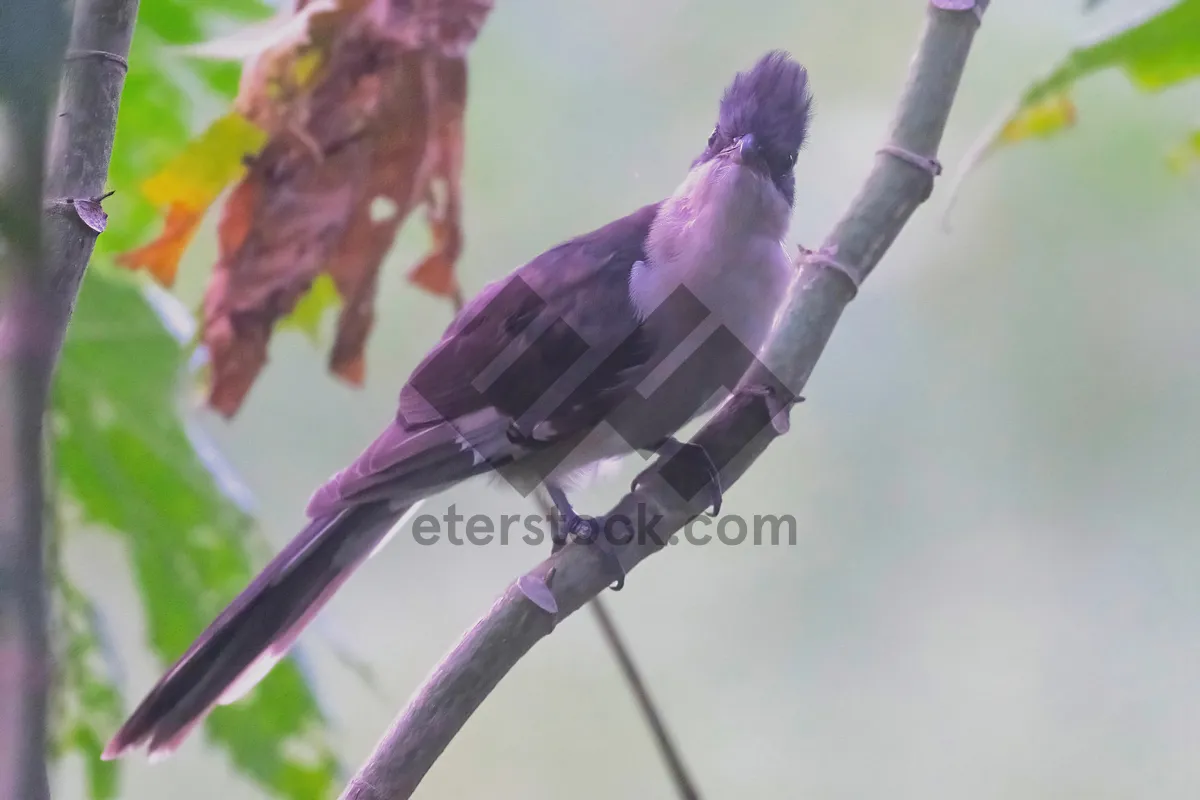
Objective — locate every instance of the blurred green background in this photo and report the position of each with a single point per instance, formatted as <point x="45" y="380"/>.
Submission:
<point x="996" y="591"/>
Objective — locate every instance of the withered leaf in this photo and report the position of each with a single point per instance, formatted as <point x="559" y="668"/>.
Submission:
<point x="370" y="134"/>
<point x="161" y="257"/>
<point x="187" y="185"/>
<point x="435" y="273"/>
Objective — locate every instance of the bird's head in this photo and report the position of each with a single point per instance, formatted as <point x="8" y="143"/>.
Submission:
<point x="763" y="122"/>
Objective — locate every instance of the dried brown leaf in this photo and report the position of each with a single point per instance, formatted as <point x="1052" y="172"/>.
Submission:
<point x="373" y="132"/>
<point x="435" y="273"/>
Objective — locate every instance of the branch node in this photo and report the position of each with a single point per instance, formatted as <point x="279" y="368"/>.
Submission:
<point x="52" y="203"/>
<point x="825" y="257"/>
<point x="927" y="164"/>
<point x="930" y="165"/>
<point x="103" y="55"/>
<point x="537" y="591"/>
<point x="778" y="408"/>
<point x="977" y="7"/>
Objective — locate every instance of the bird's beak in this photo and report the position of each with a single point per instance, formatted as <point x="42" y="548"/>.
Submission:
<point x="748" y="153"/>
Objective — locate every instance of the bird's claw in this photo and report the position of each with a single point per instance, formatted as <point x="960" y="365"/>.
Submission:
<point x="695" y="455"/>
<point x="583" y="529"/>
<point x="586" y="530"/>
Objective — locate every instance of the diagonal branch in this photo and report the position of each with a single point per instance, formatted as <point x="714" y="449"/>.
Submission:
<point x="736" y="436"/>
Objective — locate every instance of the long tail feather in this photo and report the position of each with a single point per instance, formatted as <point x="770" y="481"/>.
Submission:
<point x="352" y="516"/>
<point x="257" y="628"/>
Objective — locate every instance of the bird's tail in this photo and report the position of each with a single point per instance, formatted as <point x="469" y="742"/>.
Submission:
<point x="255" y="632"/>
<point x="352" y="516"/>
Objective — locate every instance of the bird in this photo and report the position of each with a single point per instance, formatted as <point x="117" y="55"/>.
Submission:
<point x="533" y="382"/>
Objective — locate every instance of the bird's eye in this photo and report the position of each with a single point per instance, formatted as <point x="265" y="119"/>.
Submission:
<point x="712" y="139"/>
<point x="790" y="161"/>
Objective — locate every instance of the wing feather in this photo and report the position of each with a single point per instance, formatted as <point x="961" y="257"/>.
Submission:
<point x="568" y="319"/>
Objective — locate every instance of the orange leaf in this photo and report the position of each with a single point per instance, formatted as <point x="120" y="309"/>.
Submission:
<point x="435" y="274"/>
<point x="187" y="185"/>
<point x="161" y="256"/>
<point x="237" y="217"/>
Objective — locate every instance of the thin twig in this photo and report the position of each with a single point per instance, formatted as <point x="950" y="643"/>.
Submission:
<point x="662" y="737"/>
<point x="739" y="432"/>
<point x="684" y="785"/>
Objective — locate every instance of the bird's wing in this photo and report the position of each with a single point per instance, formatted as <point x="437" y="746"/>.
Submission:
<point x="537" y="357"/>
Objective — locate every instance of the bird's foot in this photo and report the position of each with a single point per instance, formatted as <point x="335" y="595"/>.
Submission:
<point x="693" y="457"/>
<point x="585" y="530"/>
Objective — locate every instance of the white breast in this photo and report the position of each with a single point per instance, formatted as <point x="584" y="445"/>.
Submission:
<point x="720" y="235"/>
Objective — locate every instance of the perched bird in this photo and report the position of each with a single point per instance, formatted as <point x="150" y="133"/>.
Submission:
<point x="539" y="379"/>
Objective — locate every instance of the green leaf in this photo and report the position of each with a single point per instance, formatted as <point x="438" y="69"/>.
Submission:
<point x="156" y="105"/>
<point x="87" y="707"/>
<point x="1039" y="120"/>
<point x="202" y="169"/>
<point x="1156" y="51"/>
<point x="310" y="310"/>
<point x="221" y="76"/>
<point x="188" y="21"/>
<point x="127" y="462"/>
<point x="1186" y="154"/>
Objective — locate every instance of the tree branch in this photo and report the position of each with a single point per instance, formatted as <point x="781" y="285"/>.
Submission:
<point x="80" y="150"/>
<point x="30" y="57"/>
<point x="44" y="256"/>
<point x="735" y="437"/>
